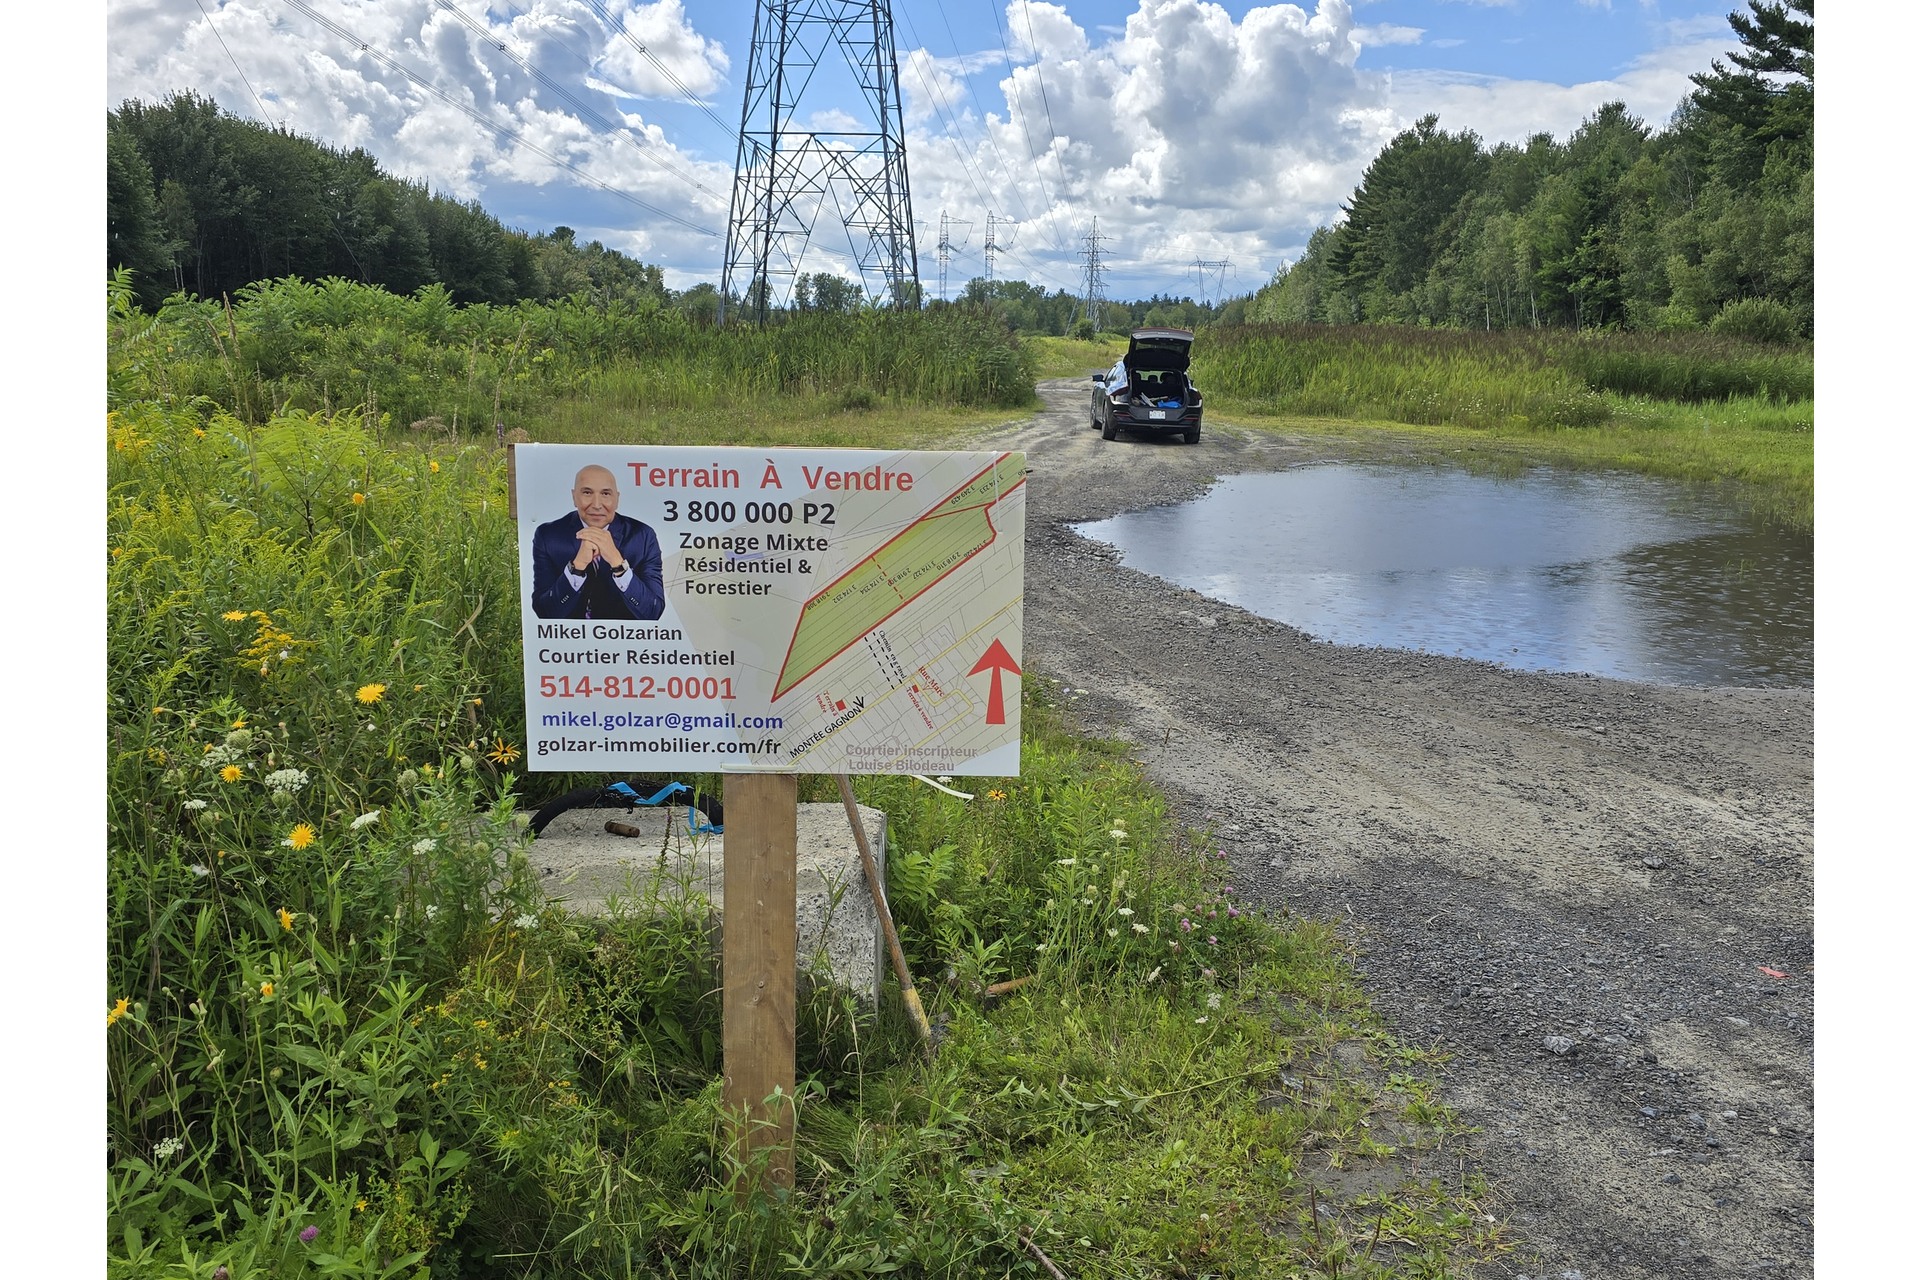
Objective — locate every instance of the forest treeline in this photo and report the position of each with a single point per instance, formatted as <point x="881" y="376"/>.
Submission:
<point x="202" y="202"/>
<point x="1707" y="222"/>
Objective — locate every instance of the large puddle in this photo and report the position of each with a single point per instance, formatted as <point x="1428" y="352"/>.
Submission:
<point x="1616" y="575"/>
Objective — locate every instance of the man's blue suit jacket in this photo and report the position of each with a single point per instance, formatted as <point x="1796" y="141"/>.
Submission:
<point x="555" y="544"/>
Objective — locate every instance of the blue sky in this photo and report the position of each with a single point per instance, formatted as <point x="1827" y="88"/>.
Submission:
<point x="1189" y="130"/>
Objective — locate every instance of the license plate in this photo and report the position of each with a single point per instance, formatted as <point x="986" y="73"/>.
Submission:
<point x="1157" y="415"/>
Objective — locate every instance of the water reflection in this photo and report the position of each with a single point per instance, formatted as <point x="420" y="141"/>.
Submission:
<point x="1617" y="575"/>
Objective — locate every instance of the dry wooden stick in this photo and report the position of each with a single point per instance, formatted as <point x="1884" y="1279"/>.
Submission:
<point x="1045" y="1261"/>
<point x="879" y="891"/>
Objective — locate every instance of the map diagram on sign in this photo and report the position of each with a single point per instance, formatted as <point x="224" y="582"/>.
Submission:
<point x="889" y="649"/>
<point x="893" y="577"/>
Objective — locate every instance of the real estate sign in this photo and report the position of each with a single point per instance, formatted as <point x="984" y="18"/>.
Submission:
<point x="778" y="611"/>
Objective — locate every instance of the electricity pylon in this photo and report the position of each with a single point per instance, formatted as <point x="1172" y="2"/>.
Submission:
<point x="1096" y="277"/>
<point x="1204" y="268"/>
<point x="826" y="55"/>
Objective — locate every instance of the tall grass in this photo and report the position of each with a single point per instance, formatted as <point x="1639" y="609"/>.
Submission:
<point x="1512" y="378"/>
<point x="347" y="1036"/>
<point x="292" y="344"/>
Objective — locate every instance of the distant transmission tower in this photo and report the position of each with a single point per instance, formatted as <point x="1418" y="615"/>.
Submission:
<point x="994" y="245"/>
<point x="838" y="56"/>
<point x="946" y="247"/>
<point x="1203" y="267"/>
<point x="1096" y="278"/>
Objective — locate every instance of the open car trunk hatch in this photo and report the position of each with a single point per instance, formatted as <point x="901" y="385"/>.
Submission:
<point x="1159" y="349"/>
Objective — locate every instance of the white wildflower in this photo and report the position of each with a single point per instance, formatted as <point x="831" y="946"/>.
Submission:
<point x="1155" y="975"/>
<point x="1113" y="933"/>
<point x="1213" y="1000"/>
<point x="365" y="820"/>
<point x="425" y="845"/>
<point x="432" y="912"/>
<point x="168" y="1148"/>
<point x="525" y="920"/>
<point x="1065" y="862"/>
<point x="194" y="806"/>
<point x="199" y="870"/>
<point x="1125" y="911"/>
<point x="1118" y="833"/>
<point x="1201" y="1019"/>
<point x="1138" y="927"/>
<point x="288" y="780"/>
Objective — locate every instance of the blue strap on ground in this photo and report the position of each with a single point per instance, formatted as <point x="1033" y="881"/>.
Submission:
<point x="699" y="827"/>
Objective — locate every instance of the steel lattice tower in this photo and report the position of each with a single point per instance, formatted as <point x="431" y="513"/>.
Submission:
<point x="825" y="54"/>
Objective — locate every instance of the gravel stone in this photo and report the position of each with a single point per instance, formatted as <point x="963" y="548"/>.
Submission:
<point x="1461" y="831"/>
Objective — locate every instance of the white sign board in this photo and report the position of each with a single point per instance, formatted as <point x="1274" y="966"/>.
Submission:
<point x="773" y="611"/>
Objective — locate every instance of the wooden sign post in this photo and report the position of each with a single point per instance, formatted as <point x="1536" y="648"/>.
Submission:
<point x="757" y="973"/>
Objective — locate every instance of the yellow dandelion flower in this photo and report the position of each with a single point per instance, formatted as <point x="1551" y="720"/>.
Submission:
<point x="360" y="1205"/>
<point x="434" y="467"/>
<point x="118" y="1011"/>
<point x="233" y="615"/>
<point x="368" y="694"/>
<point x="359" y="499"/>
<point x="241" y="723"/>
<point x="287" y="918"/>
<point x="232" y="773"/>
<point x="479" y="702"/>
<point x="301" y="836"/>
<point x="503" y="752"/>
<point x="266" y="991"/>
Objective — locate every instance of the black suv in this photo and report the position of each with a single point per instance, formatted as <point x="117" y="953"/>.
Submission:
<point x="1147" y="389"/>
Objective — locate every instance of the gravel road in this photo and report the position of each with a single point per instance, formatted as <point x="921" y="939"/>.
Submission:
<point x="1576" y="887"/>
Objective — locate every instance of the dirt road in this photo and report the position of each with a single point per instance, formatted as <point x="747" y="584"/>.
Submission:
<point x="1516" y="857"/>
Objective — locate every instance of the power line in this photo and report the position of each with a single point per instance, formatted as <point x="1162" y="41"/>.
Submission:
<point x="951" y="117"/>
<point x="480" y="119"/>
<point x="586" y="113"/>
<point x="620" y="28"/>
<point x="235" y="61"/>
<point x="1025" y="129"/>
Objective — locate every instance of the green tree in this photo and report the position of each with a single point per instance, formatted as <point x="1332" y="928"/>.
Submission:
<point x="1403" y="213"/>
<point x="136" y="238"/>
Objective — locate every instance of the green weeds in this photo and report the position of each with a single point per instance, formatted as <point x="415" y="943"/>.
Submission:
<point x="348" y="1036"/>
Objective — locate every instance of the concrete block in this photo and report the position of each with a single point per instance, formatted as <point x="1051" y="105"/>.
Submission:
<point x="583" y="866"/>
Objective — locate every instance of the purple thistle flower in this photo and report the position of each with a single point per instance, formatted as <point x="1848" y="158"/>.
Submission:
<point x="1212" y="941"/>
<point x="1233" y="913"/>
<point x="309" y="1234"/>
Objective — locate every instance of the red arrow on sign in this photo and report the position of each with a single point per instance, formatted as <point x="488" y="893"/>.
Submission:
<point x="996" y="659"/>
